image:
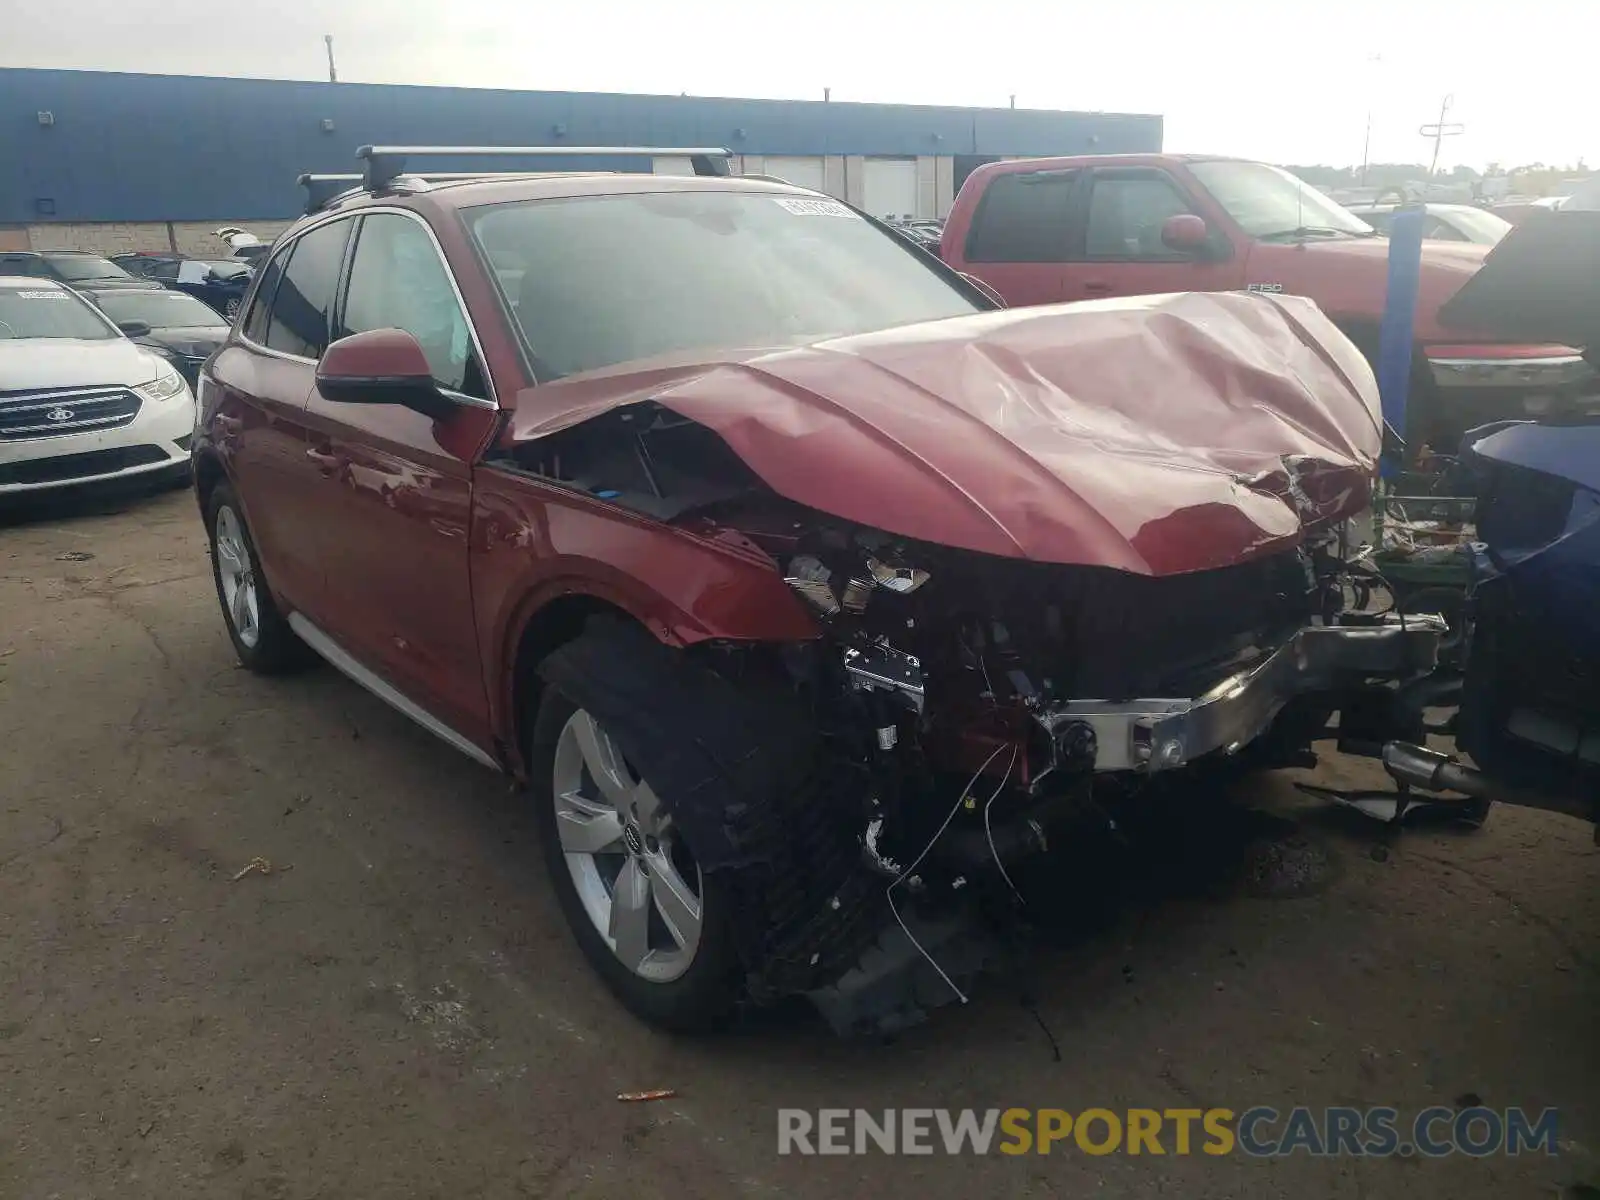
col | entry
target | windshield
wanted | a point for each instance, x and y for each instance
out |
(1482, 227)
(1270, 202)
(76, 267)
(599, 280)
(49, 313)
(159, 310)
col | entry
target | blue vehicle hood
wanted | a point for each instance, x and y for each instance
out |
(1569, 451)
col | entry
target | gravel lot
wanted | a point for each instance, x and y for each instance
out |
(396, 1011)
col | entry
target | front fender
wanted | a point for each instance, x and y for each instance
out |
(534, 544)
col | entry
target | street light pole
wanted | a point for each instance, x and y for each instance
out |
(333, 73)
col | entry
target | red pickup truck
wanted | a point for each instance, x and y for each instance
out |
(1039, 231)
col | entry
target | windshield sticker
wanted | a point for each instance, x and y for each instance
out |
(41, 295)
(813, 208)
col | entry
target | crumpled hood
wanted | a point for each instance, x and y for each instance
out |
(1155, 434)
(29, 363)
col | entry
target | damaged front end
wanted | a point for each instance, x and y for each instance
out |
(976, 708)
(1043, 583)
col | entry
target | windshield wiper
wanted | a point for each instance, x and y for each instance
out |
(1305, 231)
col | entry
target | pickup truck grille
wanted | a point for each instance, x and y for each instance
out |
(73, 410)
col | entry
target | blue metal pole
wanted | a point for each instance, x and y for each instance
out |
(1399, 319)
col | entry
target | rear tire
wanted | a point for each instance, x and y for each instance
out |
(261, 637)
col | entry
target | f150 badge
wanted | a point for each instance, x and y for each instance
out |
(1263, 287)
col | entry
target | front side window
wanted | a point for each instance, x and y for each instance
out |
(611, 279)
(1268, 202)
(49, 312)
(1126, 213)
(1021, 218)
(304, 297)
(397, 281)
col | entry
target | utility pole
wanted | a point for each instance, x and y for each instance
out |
(1366, 142)
(333, 73)
(1439, 131)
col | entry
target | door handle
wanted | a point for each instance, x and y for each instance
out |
(328, 463)
(1097, 287)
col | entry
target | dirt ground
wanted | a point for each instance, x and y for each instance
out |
(396, 1010)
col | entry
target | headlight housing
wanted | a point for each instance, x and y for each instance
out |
(167, 384)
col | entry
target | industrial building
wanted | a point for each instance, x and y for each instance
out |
(112, 161)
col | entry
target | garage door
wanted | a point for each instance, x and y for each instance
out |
(802, 172)
(889, 187)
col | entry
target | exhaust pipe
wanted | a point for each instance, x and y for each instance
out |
(1436, 772)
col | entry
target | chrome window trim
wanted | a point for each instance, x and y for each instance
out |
(493, 399)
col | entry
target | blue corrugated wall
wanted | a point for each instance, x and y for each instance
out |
(173, 148)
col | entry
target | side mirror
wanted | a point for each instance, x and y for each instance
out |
(135, 329)
(381, 366)
(1186, 233)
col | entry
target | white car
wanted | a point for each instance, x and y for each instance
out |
(79, 402)
(1442, 222)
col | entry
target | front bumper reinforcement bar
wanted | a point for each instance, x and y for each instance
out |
(1149, 735)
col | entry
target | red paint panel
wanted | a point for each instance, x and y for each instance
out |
(534, 542)
(1147, 434)
(394, 494)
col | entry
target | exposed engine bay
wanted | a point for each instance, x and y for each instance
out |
(970, 706)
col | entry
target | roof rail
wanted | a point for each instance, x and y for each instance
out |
(323, 190)
(385, 163)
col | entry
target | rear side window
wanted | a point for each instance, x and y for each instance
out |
(255, 322)
(1022, 217)
(304, 297)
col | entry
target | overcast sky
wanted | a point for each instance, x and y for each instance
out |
(1290, 81)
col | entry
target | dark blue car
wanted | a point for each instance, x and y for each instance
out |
(219, 282)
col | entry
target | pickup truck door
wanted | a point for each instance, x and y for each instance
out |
(1116, 248)
(1018, 240)
(396, 490)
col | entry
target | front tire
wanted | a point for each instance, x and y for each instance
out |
(787, 903)
(647, 918)
(261, 637)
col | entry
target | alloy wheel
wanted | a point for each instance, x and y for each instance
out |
(635, 879)
(238, 578)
